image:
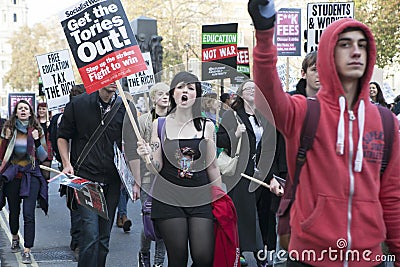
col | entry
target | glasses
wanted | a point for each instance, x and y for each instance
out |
(248, 89)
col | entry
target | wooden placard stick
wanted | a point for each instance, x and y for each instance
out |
(131, 118)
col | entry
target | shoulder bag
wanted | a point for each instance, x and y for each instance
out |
(227, 165)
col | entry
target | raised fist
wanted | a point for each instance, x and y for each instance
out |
(262, 13)
(35, 134)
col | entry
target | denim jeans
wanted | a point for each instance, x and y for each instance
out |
(28, 208)
(95, 230)
(123, 202)
(145, 243)
(75, 228)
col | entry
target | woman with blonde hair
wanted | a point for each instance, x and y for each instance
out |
(159, 96)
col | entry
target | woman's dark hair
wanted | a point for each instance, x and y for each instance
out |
(239, 103)
(33, 121)
(187, 78)
(379, 96)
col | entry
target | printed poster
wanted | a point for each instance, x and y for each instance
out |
(219, 51)
(140, 82)
(14, 98)
(57, 77)
(288, 32)
(101, 41)
(320, 15)
(89, 194)
(124, 172)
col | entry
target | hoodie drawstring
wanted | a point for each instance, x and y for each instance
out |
(361, 123)
(340, 133)
(340, 128)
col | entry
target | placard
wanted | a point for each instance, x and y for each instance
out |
(57, 77)
(101, 41)
(320, 15)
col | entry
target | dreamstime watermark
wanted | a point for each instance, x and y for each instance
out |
(331, 254)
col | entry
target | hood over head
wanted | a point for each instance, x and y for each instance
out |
(328, 76)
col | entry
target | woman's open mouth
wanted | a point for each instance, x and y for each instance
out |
(184, 98)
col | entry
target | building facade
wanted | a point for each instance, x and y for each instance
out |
(13, 14)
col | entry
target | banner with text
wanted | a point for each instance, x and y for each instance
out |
(140, 82)
(124, 172)
(243, 66)
(320, 15)
(57, 77)
(14, 98)
(288, 32)
(243, 61)
(88, 194)
(282, 73)
(102, 42)
(388, 93)
(219, 45)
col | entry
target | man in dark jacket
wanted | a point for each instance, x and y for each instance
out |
(80, 120)
(309, 84)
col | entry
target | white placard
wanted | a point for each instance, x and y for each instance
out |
(57, 77)
(140, 82)
(320, 15)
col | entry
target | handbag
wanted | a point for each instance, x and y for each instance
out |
(148, 224)
(227, 165)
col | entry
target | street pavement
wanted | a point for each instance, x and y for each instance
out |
(52, 237)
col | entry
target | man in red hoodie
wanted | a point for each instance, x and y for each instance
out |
(344, 208)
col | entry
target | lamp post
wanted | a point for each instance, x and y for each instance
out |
(187, 47)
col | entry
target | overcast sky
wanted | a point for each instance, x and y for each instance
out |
(42, 9)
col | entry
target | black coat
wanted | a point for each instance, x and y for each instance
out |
(81, 118)
(240, 189)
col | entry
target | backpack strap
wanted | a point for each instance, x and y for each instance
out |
(160, 132)
(388, 130)
(97, 133)
(308, 131)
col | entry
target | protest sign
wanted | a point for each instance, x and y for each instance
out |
(57, 77)
(219, 45)
(288, 32)
(243, 66)
(206, 88)
(320, 15)
(89, 194)
(282, 73)
(388, 93)
(140, 82)
(101, 41)
(243, 61)
(14, 98)
(124, 171)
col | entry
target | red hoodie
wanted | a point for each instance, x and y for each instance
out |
(343, 206)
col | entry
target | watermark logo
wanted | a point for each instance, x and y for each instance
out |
(339, 253)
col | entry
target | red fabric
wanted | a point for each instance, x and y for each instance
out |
(226, 251)
(3, 148)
